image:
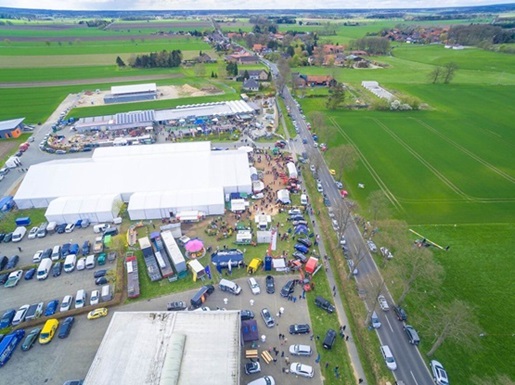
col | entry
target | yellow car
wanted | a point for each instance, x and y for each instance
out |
(48, 331)
(97, 313)
(332, 171)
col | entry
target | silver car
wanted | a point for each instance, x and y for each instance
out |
(267, 317)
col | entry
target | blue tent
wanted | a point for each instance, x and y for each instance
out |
(222, 258)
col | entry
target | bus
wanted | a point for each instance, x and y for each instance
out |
(8, 345)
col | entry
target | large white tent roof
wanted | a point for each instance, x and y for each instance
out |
(139, 171)
(229, 108)
(96, 208)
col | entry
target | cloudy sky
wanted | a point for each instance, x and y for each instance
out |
(237, 4)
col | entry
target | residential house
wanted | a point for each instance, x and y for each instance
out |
(258, 48)
(259, 75)
(251, 85)
(319, 80)
(332, 49)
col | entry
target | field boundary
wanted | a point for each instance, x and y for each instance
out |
(382, 185)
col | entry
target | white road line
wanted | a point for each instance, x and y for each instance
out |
(369, 280)
(414, 379)
(389, 324)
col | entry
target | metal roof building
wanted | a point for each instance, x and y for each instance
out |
(133, 89)
(173, 348)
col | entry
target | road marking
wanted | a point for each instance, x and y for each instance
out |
(414, 379)
(389, 324)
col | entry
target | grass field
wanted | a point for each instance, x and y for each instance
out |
(449, 172)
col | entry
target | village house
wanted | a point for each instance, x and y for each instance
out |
(258, 75)
(250, 85)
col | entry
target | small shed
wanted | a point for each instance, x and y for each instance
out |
(262, 221)
(244, 237)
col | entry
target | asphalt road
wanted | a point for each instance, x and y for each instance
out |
(412, 368)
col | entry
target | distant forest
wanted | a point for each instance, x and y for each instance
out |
(163, 59)
(481, 34)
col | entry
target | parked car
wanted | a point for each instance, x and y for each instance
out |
(301, 350)
(97, 313)
(33, 232)
(305, 241)
(267, 317)
(65, 250)
(81, 264)
(266, 380)
(7, 318)
(30, 339)
(66, 303)
(57, 269)
(66, 327)
(8, 238)
(29, 274)
(60, 229)
(3, 278)
(99, 273)
(101, 281)
(74, 249)
(299, 256)
(48, 331)
(439, 374)
(86, 246)
(94, 299)
(254, 286)
(372, 246)
(47, 253)
(36, 258)
(288, 288)
(270, 284)
(13, 261)
(322, 303)
(101, 260)
(412, 334)
(400, 313)
(69, 228)
(19, 317)
(246, 315)
(383, 303)
(302, 370)
(51, 307)
(14, 278)
(252, 367)
(176, 306)
(3, 262)
(299, 329)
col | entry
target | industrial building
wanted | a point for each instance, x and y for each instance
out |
(157, 181)
(173, 348)
(142, 119)
(131, 93)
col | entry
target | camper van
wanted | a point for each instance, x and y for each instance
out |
(69, 263)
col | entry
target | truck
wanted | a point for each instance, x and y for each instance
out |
(44, 269)
(98, 246)
(13, 162)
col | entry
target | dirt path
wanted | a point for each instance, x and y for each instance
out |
(76, 82)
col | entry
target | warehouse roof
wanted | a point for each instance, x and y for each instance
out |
(133, 89)
(10, 124)
(233, 107)
(149, 347)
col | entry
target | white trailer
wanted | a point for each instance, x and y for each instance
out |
(292, 170)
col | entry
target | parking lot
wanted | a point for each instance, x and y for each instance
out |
(34, 291)
(70, 358)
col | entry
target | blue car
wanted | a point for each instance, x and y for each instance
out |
(7, 318)
(30, 274)
(74, 249)
(301, 248)
(86, 247)
(51, 307)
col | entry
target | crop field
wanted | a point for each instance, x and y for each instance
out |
(448, 171)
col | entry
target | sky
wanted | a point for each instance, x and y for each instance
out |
(238, 4)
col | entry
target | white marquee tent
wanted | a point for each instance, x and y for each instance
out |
(96, 208)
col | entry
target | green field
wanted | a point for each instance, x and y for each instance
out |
(449, 172)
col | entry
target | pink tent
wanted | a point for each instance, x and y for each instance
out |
(194, 246)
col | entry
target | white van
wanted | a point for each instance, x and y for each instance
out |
(19, 233)
(44, 269)
(388, 357)
(80, 299)
(303, 199)
(100, 228)
(230, 286)
(106, 294)
(51, 227)
(69, 263)
(90, 261)
(56, 253)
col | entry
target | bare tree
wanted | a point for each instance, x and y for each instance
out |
(343, 216)
(284, 73)
(416, 269)
(378, 205)
(449, 72)
(435, 74)
(348, 158)
(317, 119)
(454, 322)
(372, 299)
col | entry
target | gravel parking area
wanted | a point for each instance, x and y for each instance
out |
(70, 358)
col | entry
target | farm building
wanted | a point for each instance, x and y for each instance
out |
(11, 128)
(131, 93)
(169, 348)
(156, 181)
(140, 119)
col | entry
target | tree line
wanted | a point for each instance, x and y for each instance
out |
(478, 34)
(373, 45)
(163, 59)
